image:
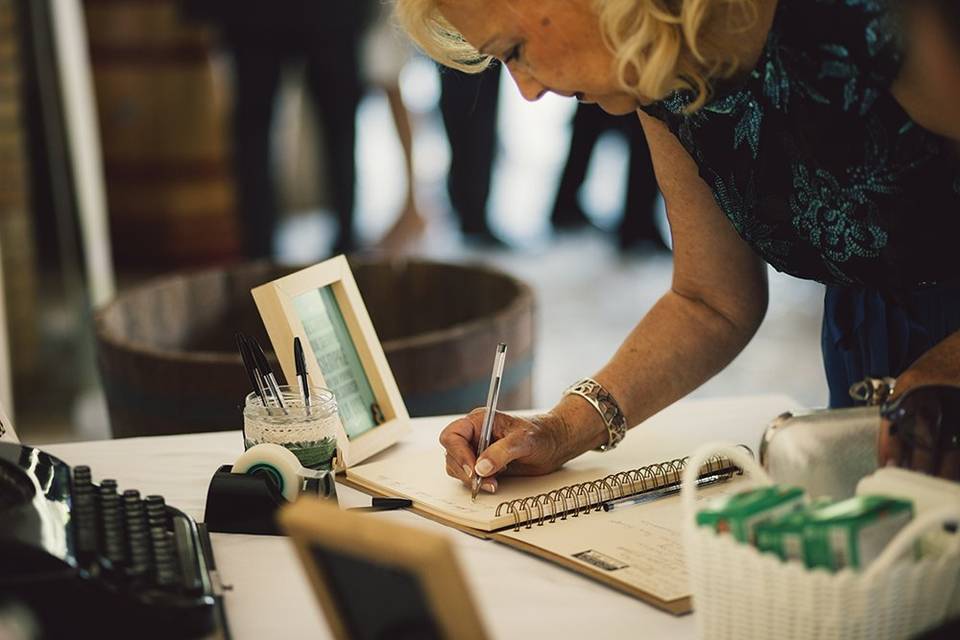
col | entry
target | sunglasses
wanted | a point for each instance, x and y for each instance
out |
(925, 430)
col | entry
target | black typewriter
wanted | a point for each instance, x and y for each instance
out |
(89, 560)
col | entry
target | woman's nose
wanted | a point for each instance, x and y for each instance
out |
(530, 89)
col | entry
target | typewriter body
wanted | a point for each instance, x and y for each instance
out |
(87, 559)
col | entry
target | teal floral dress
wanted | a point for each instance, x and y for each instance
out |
(827, 178)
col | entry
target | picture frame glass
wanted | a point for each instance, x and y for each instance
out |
(343, 372)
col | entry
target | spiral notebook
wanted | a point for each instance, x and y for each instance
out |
(636, 550)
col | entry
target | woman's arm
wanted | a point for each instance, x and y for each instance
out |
(715, 304)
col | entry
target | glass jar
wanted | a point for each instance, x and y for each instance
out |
(309, 432)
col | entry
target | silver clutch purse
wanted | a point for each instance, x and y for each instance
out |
(825, 451)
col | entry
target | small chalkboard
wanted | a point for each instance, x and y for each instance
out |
(322, 306)
(377, 580)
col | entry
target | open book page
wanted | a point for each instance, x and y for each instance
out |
(418, 472)
(636, 549)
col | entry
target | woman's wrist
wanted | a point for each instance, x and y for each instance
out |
(581, 427)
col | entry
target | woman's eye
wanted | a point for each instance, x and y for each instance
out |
(512, 55)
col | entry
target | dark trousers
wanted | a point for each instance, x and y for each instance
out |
(468, 104)
(589, 123)
(333, 80)
(865, 333)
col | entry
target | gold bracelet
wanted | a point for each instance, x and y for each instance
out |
(601, 400)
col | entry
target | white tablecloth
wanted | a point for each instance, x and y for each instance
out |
(518, 596)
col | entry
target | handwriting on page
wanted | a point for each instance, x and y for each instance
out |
(417, 494)
(649, 557)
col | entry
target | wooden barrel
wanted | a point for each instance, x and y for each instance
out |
(440, 324)
(163, 126)
(168, 361)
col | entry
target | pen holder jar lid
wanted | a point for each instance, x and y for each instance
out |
(322, 404)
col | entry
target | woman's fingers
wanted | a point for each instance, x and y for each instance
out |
(459, 438)
(459, 471)
(515, 444)
(519, 440)
(464, 475)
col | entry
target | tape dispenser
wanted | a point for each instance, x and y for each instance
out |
(244, 497)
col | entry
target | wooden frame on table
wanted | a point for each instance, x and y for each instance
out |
(319, 303)
(332, 543)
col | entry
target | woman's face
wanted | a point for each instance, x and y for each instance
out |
(547, 45)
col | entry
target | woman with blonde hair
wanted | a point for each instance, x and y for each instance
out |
(800, 133)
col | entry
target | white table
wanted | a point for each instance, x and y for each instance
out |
(519, 596)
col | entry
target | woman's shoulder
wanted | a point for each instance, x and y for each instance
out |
(840, 52)
(842, 39)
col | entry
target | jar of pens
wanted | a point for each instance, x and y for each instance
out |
(300, 417)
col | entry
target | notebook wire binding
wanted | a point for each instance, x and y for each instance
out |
(584, 497)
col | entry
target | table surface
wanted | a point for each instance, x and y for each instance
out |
(517, 595)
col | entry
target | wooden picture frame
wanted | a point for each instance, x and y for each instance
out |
(322, 306)
(435, 600)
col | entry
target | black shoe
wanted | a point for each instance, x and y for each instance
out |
(642, 244)
(633, 239)
(569, 218)
(483, 239)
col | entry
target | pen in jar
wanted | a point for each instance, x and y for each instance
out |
(302, 380)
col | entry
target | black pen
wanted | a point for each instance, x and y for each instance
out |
(266, 372)
(652, 495)
(385, 504)
(301, 365)
(251, 368)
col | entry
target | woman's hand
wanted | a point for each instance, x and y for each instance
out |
(527, 446)
(920, 430)
(922, 433)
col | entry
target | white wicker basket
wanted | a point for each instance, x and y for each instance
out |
(740, 593)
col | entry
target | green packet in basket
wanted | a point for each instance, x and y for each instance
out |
(785, 536)
(853, 532)
(740, 514)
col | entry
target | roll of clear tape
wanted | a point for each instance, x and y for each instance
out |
(279, 463)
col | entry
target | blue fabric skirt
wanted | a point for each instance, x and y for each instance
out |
(867, 334)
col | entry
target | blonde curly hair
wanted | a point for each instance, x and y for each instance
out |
(658, 46)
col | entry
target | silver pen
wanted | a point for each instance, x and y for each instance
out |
(493, 394)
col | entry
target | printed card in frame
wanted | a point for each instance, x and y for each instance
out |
(322, 306)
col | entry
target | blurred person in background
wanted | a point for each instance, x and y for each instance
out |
(386, 51)
(468, 104)
(810, 136)
(263, 39)
(637, 225)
